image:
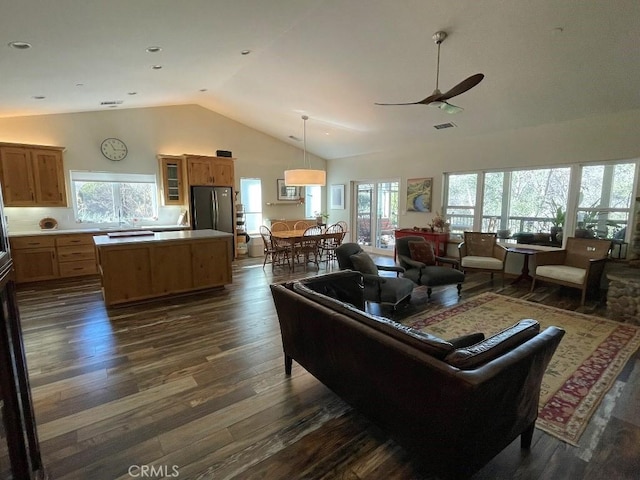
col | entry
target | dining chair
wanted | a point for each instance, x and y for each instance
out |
(333, 239)
(275, 251)
(307, 249)
(301, 225)
(279, 227)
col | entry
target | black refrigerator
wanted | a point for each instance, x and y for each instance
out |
(212, 207)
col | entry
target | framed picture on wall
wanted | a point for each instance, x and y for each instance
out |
(419, 194)
(337, 197)
(286, 193)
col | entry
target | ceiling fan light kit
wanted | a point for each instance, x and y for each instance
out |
(437, 98)
(303, 177)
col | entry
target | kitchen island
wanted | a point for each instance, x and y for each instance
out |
(141, 265)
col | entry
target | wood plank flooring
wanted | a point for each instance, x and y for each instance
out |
(194, 388)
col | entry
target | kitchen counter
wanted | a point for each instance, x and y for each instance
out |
(141, 267)
(55, 231)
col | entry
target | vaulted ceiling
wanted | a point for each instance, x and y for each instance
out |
(544, 61)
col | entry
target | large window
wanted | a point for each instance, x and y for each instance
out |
(251, 196)
(532, 205)
(102, 197)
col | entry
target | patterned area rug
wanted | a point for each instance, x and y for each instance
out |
(589, 358)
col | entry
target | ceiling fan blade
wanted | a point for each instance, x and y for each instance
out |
(410, 103)
(462, 87)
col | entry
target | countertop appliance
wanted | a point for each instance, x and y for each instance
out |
(212, 207)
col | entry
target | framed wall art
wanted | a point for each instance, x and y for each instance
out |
(419, 194)
(286, 193)
(337, 197)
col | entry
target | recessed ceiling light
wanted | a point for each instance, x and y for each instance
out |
(154, 49)
(20, 45)
(38, 97)
(245, 52)
(156, 67)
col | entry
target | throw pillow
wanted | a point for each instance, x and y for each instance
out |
(363, 263)
(422, 252)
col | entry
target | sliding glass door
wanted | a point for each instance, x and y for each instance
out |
(376, 214)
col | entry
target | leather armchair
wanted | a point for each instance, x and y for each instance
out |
(377, 289)
(424, 272)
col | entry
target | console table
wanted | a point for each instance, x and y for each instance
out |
(438, 239)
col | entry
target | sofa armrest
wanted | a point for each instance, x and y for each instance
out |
(467, 340)
(502, 342)
(499, 252)
(391, 268)
(410, 261)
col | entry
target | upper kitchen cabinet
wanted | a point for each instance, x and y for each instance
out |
(32, 176)
(172, 175)
(215, 171)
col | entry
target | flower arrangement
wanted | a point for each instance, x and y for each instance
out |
(438, 222)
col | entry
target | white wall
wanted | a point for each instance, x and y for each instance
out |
(605, 137)
(148, 132)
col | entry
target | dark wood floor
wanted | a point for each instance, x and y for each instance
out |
(195, 386)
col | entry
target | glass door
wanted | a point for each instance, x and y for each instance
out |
(376, 214)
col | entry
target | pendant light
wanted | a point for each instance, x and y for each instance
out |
(303, 177)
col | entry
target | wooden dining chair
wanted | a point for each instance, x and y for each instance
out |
(302, 225)
(333, 239)
(275, 251)
(307, 249)
(279, 227)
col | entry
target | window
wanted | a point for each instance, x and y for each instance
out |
(604, 203)
(101, 197)
(376, 213)
(251, 195)
(312, 201)
(531, 205)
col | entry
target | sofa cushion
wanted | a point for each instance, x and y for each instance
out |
(494, 346)
(363, 263)
(488, 263)
(563, 273)
(422, 341)
(422, 252)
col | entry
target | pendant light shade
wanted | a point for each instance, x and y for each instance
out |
(303, 177)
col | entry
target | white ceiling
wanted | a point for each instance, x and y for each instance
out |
(544, 61)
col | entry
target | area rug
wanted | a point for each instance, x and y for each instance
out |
(589, 358)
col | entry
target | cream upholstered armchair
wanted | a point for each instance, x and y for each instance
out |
(579, 265)
(480, 252)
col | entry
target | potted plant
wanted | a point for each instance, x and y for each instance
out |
(321, 217)
(557, 221)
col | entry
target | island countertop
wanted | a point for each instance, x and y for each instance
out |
(145, 236)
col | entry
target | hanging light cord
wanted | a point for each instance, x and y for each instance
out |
(304, 140)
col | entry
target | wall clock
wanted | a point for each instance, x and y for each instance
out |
(114, 149)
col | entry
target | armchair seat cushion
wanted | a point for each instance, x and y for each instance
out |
(487, 263)
(394, 290)
(434, 276)
(564, 273)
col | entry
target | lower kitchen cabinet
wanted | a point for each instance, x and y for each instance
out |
(46, 257)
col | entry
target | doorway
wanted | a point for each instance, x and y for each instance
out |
(375, 214)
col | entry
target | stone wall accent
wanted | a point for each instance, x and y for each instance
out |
(623, 296)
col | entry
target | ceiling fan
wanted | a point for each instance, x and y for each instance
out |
(439, 99)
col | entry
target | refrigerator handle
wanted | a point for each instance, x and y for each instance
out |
(214, 203)
(194, 214)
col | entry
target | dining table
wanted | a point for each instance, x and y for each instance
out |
(296, 236)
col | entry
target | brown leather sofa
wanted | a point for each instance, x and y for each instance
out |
(455, 405)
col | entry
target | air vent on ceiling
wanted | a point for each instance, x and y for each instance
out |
(111, 102)
(445, 125)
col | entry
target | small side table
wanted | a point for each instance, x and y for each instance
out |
(527, 252)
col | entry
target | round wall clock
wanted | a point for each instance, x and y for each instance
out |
(114, 149)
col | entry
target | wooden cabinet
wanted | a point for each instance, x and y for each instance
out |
(45, 257)
(34, 258)
(32, 176)
(76, 255)
(173, 182)
(170, 263)
(215, 171)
